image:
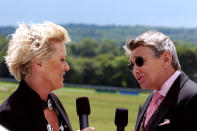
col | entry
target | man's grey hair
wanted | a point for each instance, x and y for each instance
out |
(158, 42)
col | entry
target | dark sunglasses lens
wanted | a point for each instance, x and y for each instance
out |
(139, 61)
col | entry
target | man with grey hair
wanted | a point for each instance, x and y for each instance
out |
(155, 65)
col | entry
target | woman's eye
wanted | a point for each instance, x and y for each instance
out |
(62, 60)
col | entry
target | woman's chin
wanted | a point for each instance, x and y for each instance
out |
(62, 85)
(59, 86)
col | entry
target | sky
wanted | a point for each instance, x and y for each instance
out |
(165, 13)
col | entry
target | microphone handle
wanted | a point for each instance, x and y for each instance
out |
(120, 128)
(83, 119)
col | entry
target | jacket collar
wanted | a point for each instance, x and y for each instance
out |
(33, 104)
(142, 111)
(167, 103)
(61, 109)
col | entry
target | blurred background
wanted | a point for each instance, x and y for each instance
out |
(99, 29)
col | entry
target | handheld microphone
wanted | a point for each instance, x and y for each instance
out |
(121, 118)
(83, 110)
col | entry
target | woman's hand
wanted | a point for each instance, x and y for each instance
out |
(88, 129)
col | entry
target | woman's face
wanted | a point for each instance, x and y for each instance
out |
(54, 68)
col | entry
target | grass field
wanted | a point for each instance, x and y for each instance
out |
(103, 105)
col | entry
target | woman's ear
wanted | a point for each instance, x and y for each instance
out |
(36, 63)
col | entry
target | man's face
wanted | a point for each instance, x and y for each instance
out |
(147, 68)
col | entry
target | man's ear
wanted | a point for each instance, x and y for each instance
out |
(167, 55)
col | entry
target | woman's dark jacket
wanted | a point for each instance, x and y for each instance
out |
(22, 111)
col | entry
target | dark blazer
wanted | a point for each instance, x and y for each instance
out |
(178, 110)
(22, 111)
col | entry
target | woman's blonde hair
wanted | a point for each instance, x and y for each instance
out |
(32, 42)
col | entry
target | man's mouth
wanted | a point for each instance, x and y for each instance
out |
(62, 76)
(139, 79)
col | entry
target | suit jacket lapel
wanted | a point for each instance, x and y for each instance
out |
(169, 101)
(61, 109)
(142, 111)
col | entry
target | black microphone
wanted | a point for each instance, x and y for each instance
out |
(121, 118)
(83, 110)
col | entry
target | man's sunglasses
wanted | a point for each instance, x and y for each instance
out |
(139, 61)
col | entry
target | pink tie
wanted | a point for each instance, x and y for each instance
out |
(153, 106)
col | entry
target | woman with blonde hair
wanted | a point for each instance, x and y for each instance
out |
(36, 57)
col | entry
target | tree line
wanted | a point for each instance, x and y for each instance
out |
(118, 33)
(105, 62)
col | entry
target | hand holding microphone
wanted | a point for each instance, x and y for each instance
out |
(88, 129)
(121, 118)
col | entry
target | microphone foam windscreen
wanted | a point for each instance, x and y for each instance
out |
(121, 117)
(83, 106)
